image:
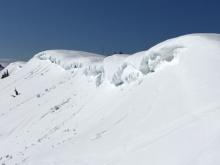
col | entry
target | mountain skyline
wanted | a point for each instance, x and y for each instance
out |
(158, 106)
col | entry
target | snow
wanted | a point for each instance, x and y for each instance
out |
(113, 67)
(14, 67)
(69, 59)
(159, 106)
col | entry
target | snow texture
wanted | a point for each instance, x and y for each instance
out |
(156, 107)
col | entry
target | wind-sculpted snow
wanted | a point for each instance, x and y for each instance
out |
(143, 63)
(148, 61)
(69, 59)
(115, 69)
(156, 107)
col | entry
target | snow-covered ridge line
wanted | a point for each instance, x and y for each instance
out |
(69, 59)
(143, 63)
(119, 69)
(116, 69)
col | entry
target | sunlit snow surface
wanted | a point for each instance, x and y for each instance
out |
(156, 107)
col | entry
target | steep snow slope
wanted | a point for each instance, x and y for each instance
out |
(160, 106)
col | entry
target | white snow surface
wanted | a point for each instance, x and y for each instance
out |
(14, 67)
(156, 107)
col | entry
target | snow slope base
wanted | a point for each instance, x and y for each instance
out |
(156, 107)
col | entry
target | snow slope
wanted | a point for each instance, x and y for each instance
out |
(160, 106)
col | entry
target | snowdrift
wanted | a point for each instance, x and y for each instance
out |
(159, 106)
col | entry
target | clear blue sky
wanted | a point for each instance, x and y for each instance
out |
(101, 26)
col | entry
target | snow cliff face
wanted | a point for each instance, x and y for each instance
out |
(160, 106)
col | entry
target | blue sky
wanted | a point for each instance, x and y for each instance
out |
(100, 26)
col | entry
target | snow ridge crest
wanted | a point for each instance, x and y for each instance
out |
(119, 69)
(116, 69)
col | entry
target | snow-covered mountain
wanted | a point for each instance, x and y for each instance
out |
(156, 107)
